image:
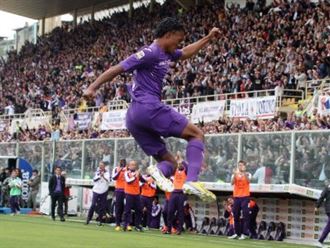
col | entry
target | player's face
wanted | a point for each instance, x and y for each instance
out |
(132, 165)
(102, 166)
(174, 39)
(122, 163)
(14, 173)
(58, 171)
(242, 167)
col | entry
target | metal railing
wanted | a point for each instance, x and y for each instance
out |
(184, 106)
(111, 105)
(316, 84)
(218, 97)
(295, 94)
(11, 117)
(316, 88)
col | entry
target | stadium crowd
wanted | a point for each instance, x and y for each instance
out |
(279, 45)
(294, 121)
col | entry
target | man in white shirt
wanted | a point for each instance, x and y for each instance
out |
(10, 109)
(100, 191)
(263, 175)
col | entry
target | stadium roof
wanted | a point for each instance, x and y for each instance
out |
(38, 9)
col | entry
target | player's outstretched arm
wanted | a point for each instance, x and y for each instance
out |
(106, 76)
(192, 49)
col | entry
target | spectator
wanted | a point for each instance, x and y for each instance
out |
(15, 185)
(118, 175)
(300, 111)
(189, 218)
(132, 196)
(176, 201)
(228, 214)
(324, 198)
(148, 193)
(56, 187)
(263, 174)
(3, 176)
(253, 213)
(66, 194)
(34, 184)
(5, 188)
(156, 213)
(100, 192)
(241, 182)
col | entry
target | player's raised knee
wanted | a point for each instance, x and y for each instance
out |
(192, 132)
(199, 135)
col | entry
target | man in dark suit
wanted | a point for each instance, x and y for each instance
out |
(56, 187)
(324, 198)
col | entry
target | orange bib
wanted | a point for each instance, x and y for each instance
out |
(179, 179)
(132, 188)
(241, 187)
(120, 182)
(147, 190)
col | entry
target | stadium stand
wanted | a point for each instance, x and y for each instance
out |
(52, 74)
(271, 53)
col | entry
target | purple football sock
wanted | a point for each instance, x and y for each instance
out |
(166, 168)
(195, 156)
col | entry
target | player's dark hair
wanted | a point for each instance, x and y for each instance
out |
(106, 163)
(168, 24)
(242, 161)
(122, 162)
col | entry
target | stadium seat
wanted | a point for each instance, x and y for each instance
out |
(221, 223)
(280, 231)
(271, 231)
(213, 227)
(229, 230)
(262, 230)
(205, 226)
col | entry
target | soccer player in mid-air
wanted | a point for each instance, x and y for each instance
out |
(148, 119)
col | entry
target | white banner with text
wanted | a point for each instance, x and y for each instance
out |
(253, 108)
(114, 120)
(208, 111)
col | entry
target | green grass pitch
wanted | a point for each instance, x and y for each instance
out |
(41, 232)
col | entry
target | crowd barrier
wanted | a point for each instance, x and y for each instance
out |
(297, 157)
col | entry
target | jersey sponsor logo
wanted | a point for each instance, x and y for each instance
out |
(165, 62)
(140, 55)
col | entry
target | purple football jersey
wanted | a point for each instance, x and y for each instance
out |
(150, 66)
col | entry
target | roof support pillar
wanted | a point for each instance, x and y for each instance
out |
(75, 17)
(130, 11)
(186, 4)
(151, 6)
(93, 14)
(43, 26)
